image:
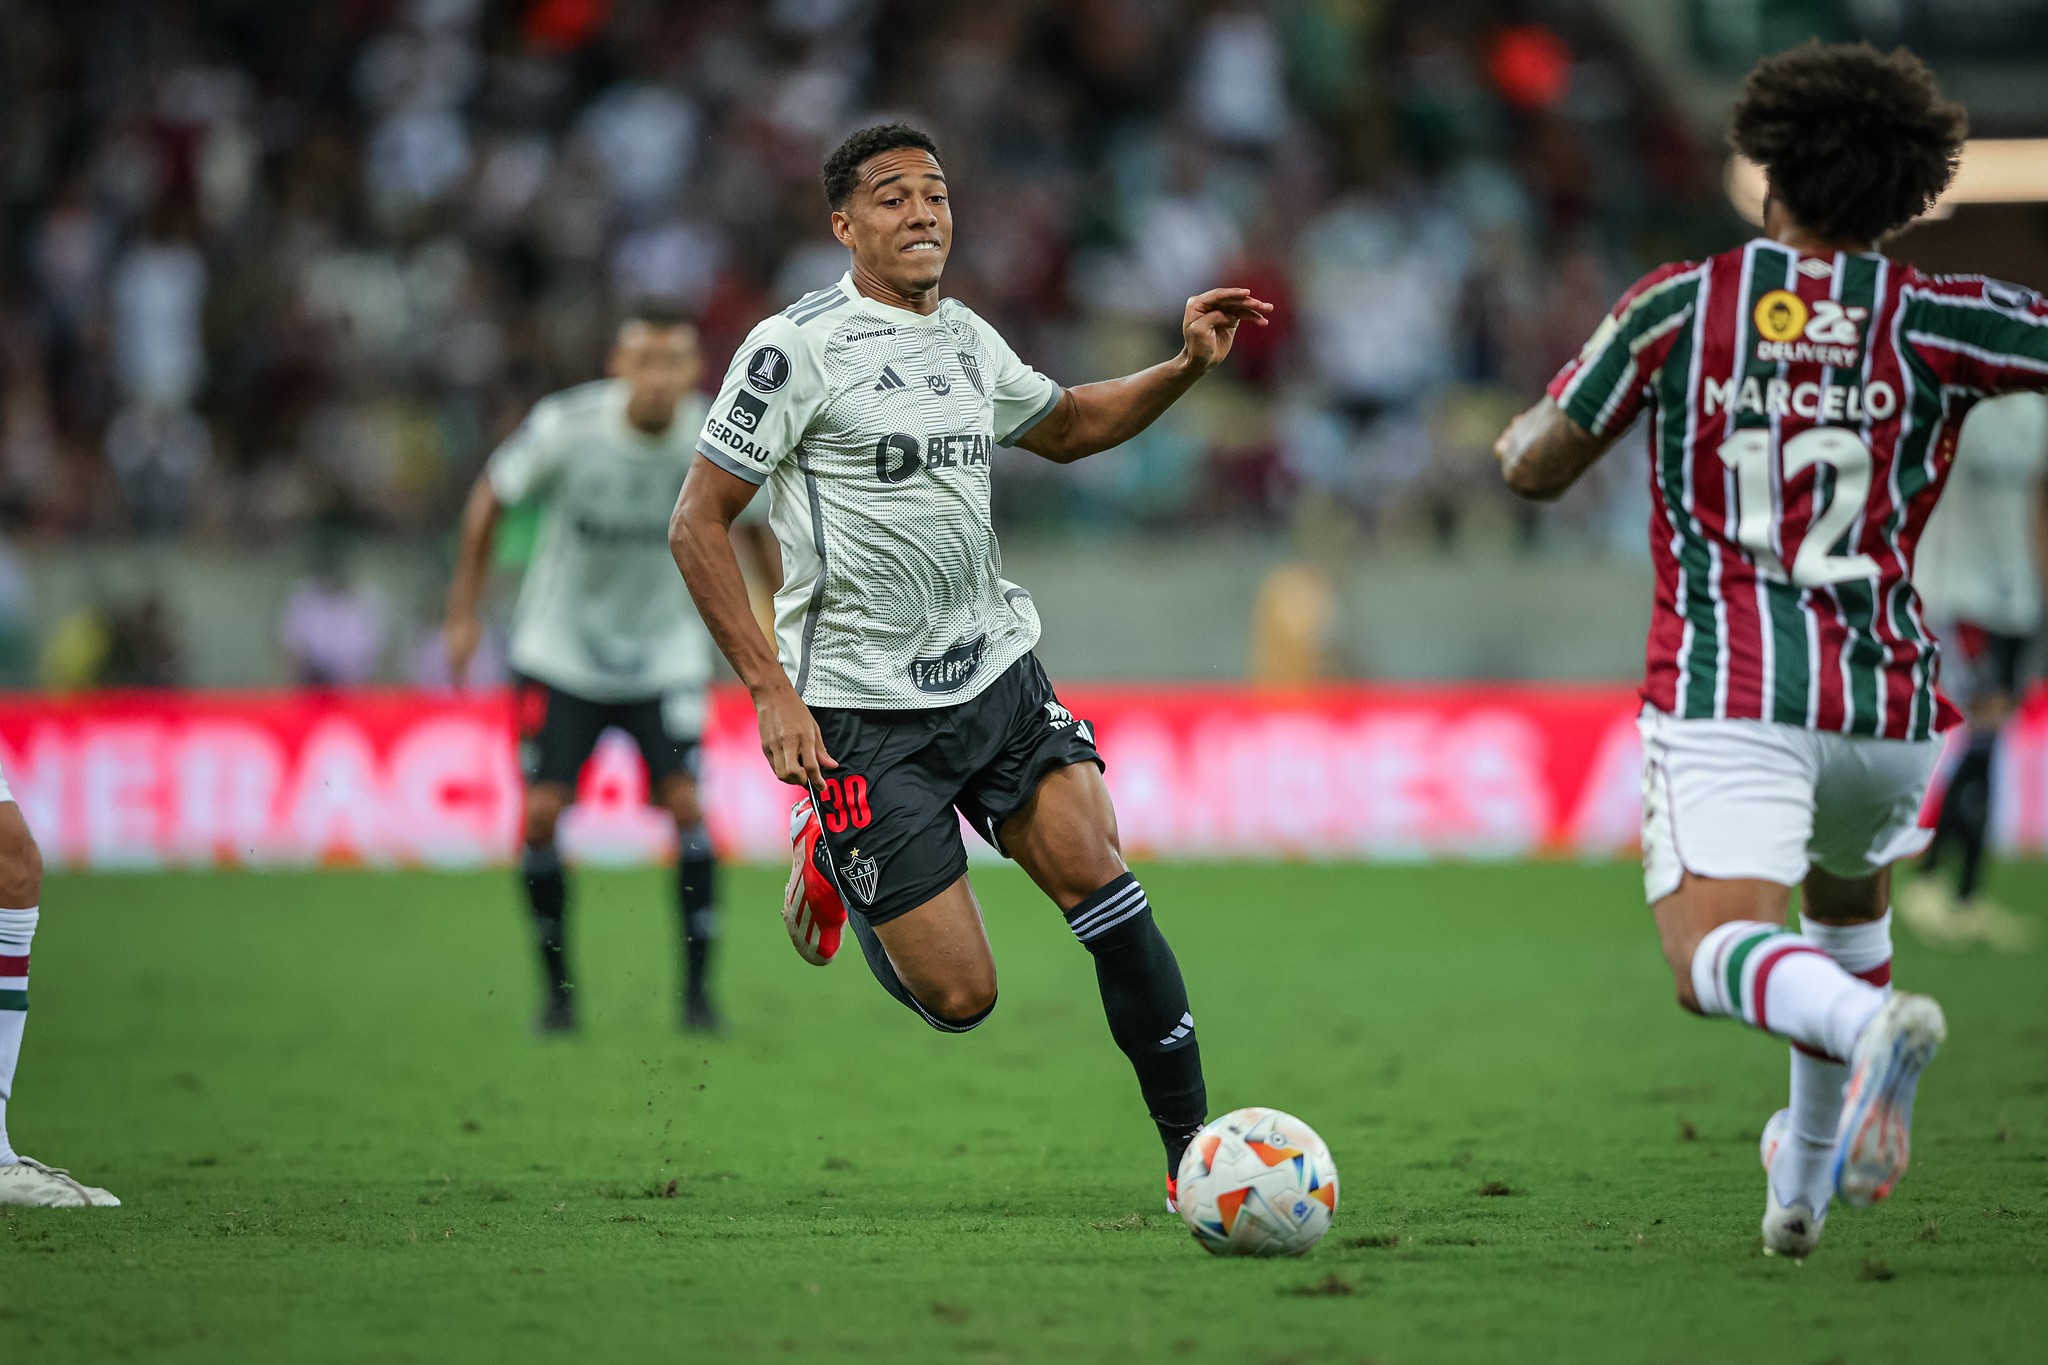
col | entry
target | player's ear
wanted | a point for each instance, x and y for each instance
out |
(842, 228)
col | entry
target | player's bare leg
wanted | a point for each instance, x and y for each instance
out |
(547, 896)
(1730, 955)
(696, 900)
(1065, 838)
(935, 958)
(24, 1180)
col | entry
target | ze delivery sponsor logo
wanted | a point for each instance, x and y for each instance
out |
(1823, 333)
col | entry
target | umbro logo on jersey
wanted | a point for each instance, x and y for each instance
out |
(1814, 268)
(890, 380)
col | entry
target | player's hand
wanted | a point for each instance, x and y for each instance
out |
(462, 633)
(1210, 324)
(790, 739)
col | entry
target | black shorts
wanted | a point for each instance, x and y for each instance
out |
(558, 730)
(888, 808)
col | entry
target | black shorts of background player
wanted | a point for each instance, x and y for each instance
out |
(558, 731)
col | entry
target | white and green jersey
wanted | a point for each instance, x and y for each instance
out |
(873, 428)
(602, 613)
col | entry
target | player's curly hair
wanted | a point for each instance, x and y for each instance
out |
(1857, 142)
(843, 166)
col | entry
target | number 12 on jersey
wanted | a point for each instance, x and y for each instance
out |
(1748, 453)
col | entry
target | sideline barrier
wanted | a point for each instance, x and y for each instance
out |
(147, 779)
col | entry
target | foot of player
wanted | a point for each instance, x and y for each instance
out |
(812, 911)
(28, 1183)
(1873, 1139)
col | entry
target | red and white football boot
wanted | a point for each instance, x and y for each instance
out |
(812, 911)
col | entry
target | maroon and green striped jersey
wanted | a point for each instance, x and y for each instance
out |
(1802, 414)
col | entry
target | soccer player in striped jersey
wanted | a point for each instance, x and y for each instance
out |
(24, 1181)
(1803, 392)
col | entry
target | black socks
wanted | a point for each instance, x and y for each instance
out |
(547, 893)
(1147, 1006)
(697, 913)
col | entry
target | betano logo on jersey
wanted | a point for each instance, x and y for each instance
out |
(1826, 333)
(898, 456)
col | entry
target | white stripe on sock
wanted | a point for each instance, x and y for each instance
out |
(1083, 923)
(1103, 927)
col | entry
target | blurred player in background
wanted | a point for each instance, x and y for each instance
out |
(1803, 394)
(906, 688)
(1979, 572)
(603, 636)
(24, 1181)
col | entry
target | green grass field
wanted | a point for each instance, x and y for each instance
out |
(338, 1142)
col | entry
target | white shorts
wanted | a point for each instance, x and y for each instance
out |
(1752, 798)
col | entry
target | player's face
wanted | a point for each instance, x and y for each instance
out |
(899, 221)
(659, 365)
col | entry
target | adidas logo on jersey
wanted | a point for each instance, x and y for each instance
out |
(890, 380)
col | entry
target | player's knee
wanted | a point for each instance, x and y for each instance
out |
(544, 807)
(21, 871)
(963, 1004)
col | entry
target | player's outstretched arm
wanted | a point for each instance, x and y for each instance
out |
(700, 538)
(1093, 417)
(1543, 452)
(463, 630)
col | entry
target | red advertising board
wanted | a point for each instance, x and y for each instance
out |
(147, 779)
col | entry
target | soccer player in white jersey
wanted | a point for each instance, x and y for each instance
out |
(603, 636)
(1802, 393)
(24, 1181)
(1979, 572)
(906, 688)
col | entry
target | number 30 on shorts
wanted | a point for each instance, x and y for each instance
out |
(843, 804)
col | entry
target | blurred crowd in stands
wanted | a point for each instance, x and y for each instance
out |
(273, 267)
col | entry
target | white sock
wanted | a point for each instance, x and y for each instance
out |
(1864, 951)
(17, 930)
(1782, 983)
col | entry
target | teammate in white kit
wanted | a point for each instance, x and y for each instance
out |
(906, 689)
(603, 636)
(1979, 573)
(24, 1181)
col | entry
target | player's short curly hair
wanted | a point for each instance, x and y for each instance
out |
(1857, 142)
(843, 166)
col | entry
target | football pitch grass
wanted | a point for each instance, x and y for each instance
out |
(337, 1140)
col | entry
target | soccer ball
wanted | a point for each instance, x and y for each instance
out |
(1257, 1182)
